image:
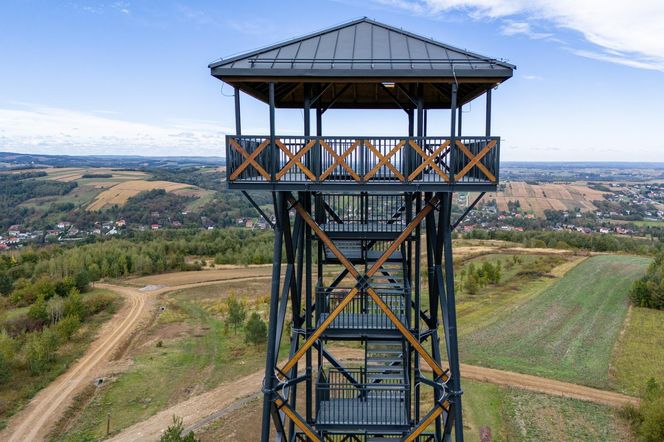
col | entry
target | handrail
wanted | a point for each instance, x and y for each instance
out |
(362, 159)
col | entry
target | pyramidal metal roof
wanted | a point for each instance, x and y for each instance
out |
(362, 48)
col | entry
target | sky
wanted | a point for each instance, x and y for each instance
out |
(131, 77)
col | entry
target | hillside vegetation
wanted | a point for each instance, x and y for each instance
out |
(566, 332)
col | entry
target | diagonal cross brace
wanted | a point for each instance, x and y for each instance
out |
(437, 369)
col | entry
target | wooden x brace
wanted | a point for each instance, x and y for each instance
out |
(249, 159)
(384, 160)
(340, 160)
(475, 160)
(437, 369)
(295, 159)
(428, 160)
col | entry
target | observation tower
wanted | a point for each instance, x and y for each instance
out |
(365, 223)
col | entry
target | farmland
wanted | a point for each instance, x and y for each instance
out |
(536, 198)
(567, 331)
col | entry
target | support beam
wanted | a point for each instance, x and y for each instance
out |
(467, 211)
(258, 209)
(487, 130)
(238, 121)
(268, 389)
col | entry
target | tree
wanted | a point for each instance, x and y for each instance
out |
(256, 330)
(174, 433)
(5, 284)
(74, 305)
(41, 348)
(237, 312)
(39, 311)
(67, 327)
(82, 281)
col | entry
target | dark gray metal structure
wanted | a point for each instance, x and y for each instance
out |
(366, 209)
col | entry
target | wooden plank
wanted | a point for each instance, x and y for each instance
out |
(384, 160)
(428, 160)
(474, 160)
(295, 159)
(250, 159)
(425, 423)
(340, 160)
(297, 420)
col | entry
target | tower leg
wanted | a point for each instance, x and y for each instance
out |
(446, 207)
(268, 394)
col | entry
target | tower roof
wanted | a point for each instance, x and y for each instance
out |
(362, 52)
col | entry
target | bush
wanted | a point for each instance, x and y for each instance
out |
(95, 303)
(647, 419)
(74, 305)
(649, 290)
(39, 311)
(174, 433)
(67, 327)
(256, 330)
(237, 312)
(40, 350)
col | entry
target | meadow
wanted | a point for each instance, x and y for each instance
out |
(567, 331)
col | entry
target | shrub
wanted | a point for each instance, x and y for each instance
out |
(39, 311)
(647, 419)
(174, 433)
(95, 303)
(67, 327)
(237, 312)
(256, 330)
(40, 350)
(74, 304)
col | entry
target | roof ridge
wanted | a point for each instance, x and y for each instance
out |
(473, 57)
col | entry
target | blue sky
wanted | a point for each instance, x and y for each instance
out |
(131, 77)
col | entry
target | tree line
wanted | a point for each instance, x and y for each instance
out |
(649, 290)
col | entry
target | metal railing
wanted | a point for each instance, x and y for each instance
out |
(299, 159)
(342, 402)
(362, 312)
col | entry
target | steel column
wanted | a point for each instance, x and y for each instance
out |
(268, 387)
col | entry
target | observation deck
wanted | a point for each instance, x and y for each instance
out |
(363, 163)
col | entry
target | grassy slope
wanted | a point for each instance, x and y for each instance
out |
(566, 332)
(196, 355)
(639, 355)
(23, 386)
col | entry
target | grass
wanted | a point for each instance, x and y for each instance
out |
(567, 331)
(519, 283)
(15, 394)
(639, 354)
(196, 354)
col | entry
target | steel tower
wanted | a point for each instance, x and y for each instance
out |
(356, 216)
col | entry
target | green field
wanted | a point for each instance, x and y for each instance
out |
(567, 331)
(185, 352)
(519, 283)
(640, 353)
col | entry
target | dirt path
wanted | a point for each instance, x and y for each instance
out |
(203, 409)
(34, 421)
(46, 408)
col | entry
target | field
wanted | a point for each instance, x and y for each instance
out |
(567, 331)
(120, 193)
(536, 198)
(99, 191)
(639, 355)
(222, 274)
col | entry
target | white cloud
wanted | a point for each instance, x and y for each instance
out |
(531, 77)
(42, 129)
(511, 27)
(630, 33)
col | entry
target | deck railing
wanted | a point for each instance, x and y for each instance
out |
(341, 402)
(427, 160)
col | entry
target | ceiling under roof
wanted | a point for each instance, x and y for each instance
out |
(362, 64)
